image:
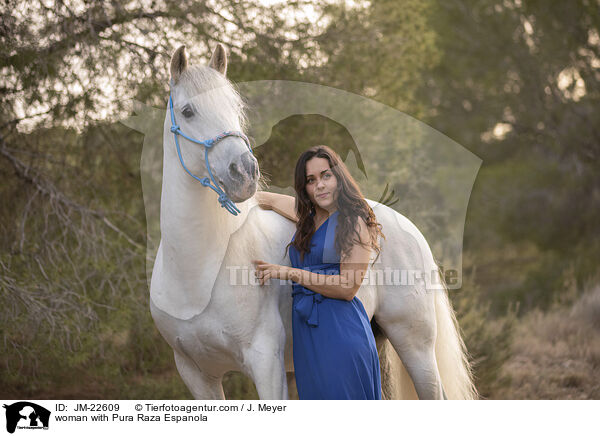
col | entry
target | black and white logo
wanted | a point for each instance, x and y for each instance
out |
(26, 415)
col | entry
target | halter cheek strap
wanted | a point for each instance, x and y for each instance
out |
(224, 200)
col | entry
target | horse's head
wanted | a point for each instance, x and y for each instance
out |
(206, 105)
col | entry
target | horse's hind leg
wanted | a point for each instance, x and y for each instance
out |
(202, 386)
(416, 348)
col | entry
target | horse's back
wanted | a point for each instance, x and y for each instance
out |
(392, 285)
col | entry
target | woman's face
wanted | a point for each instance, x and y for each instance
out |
(321, 184)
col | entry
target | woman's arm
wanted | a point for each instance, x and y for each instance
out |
(343, 286)
(352, 272)
(282, 204)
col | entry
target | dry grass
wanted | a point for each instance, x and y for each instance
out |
(556, 355)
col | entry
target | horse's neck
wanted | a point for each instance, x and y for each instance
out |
(194, 226)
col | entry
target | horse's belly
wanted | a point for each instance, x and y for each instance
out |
(367, 294)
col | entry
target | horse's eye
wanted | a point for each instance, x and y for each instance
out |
(187, 112)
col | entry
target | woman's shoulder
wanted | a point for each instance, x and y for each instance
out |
(361, 228)
(360, 225)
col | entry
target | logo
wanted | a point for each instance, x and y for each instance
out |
(26, 415)
(374, 133)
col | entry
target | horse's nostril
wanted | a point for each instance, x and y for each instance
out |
(234, 172)
(250, 164)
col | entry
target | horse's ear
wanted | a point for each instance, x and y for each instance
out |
(218, 61)
(179, 63)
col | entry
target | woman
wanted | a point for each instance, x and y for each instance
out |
(335, 356)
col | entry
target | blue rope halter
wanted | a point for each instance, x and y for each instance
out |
(223, 198)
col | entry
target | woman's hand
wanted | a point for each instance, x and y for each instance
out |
(262, 199)
(265, 271)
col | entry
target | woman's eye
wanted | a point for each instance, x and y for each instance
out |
(326, 176)
(188, 112)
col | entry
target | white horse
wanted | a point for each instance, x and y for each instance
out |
(216, 325)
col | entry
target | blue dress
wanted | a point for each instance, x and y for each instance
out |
(335, 356)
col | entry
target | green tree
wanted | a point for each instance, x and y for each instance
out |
(518, 85)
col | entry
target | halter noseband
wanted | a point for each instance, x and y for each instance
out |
(223, 198)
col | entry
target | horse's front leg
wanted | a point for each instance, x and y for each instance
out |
(264, 359)
(202, 385)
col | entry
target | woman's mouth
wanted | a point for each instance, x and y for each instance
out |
(322, 195)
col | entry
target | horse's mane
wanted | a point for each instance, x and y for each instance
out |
(214, 90)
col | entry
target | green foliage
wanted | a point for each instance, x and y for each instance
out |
(488, 338)
(534, 207)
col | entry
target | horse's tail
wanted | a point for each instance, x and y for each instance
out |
(451, 352)
(451, 356)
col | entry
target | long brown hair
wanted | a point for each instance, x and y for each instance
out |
(350, 205)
